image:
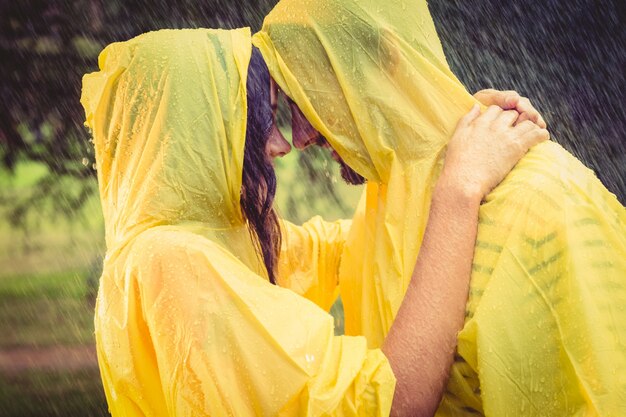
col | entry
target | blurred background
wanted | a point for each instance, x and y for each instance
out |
(568, 57)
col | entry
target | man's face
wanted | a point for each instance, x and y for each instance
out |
(305, 135)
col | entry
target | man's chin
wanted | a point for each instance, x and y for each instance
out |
(350, 176)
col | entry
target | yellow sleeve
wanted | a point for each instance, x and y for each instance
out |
(227, 342)
(309, 259)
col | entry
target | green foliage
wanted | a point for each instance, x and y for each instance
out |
(33, 189)
(56, 231)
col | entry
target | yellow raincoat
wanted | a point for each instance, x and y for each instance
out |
(546, 319)
(186, 320)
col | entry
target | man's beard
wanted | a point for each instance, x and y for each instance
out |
(349, 175)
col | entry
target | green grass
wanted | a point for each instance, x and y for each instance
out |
(53, 285)
(41, 311)
(48, 394)
(47, 309)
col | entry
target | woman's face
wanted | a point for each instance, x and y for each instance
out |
(276, 145)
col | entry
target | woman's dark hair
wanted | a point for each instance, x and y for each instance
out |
(259, 179)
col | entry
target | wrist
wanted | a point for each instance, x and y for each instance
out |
(456, 189)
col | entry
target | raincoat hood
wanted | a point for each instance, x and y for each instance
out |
(167, 111)
(374, 82)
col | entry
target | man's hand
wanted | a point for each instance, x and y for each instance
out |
(511, 100)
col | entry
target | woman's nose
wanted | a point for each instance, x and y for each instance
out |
(277, 144)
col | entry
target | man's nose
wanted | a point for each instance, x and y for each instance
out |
(301, 138)
(303, 134)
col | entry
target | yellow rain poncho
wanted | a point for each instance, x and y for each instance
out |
(545, 333)
(187, 323)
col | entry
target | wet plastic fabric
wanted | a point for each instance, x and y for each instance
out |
(186, 321)
(310, 258)
(546, 326)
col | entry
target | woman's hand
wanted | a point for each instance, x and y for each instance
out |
(421, 342)
(484, 148)
(422, 339)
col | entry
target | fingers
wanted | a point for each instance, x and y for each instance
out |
(541, 123)
(511, 100)
(490, 115)
(533, 137)
(525, 107)
(469, 117)
(524, 127)
(507, 118)
(504, 99)
(522, 118)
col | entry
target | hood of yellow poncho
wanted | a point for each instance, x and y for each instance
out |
(167, 111)
(371, 78)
